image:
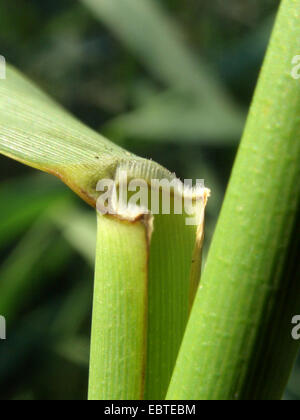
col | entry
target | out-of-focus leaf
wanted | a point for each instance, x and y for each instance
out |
(75, 350)
(40, 254)
(145, 28)
(174, 117)
(79, 229)
(22, 200)
(75, 308)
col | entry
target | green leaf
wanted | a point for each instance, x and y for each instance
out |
(36, 131)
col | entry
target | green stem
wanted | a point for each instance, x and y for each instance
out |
(238, 341)
(118, 344)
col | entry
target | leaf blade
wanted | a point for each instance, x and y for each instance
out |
(37, 132)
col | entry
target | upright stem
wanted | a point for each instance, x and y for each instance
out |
(118, 344)
(238, 341)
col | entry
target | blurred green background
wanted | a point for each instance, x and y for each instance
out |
(168, 80)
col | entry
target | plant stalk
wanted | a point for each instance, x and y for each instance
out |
(238, 342)
(118, 343)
